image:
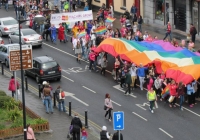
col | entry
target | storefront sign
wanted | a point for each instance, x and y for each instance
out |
(72, 17)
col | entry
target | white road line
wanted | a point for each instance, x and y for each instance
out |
(68, 78)
(140, 107)
(166, 133)
(89, 89)
(119, 88)
(139, 116)
(116, 103)
(189, 110)
(79, 100)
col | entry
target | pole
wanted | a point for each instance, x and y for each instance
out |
(86, 119)
(2, 68)
(119, 135)
(26, 82)
(39, 91)
(54, 99)
(16, 92)
(70, 108)
(22, 82)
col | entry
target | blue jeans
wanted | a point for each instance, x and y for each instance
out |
(66, 37)
(83, 138)
(41, 28)
(61, 104)
(182, 98)
(168, 34)
(6, 6)
(48, 104)
(25, 15)
(151, 104)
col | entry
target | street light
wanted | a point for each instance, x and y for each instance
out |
(22, 79)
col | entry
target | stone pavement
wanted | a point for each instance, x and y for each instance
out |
(59, 121)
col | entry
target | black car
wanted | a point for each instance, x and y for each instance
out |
(45, 68)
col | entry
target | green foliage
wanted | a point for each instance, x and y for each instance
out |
(38, 121)
(4, 99)
(2, 126)
(11, 104)
(2, 93)
(15, 114)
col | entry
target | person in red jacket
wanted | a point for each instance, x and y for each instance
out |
(12, 86)
(61, 33)
(173, 92)
(168, 32)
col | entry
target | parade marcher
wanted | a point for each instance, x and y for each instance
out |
(116, 68)
(190, 91)
(150, 82)
(141, 74)
(104, 63)
(194, 85)
(61, 33)
(48, 98)
(173, 94)
(157, 85)
(53, 33)
(168, 32)
(46, 32)
(65, 25)
(104, 134)
(128, 81)
(122, 77)
(12, 86)
(78, 51)
(77, 126)
(60, 95)
(193, 32)
(30, 133)
(116, 136)
(181, 92)
(108, 106)
(92, 59)
(151, 97)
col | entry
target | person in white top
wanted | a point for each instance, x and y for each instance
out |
(108, 106)
(145, 35)
(158, 86)
(74, 42)
(93, 36)
(133, 73)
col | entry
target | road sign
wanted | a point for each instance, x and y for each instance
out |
(118, 120)
(14, 57)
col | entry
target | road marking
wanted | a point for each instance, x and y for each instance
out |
(116, 103)
(139, 116)
(119, 88)
(89, 89)
(68, 78)
(166, 133)
(189, 110)
(142, 105)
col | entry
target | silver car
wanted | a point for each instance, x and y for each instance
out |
(28, 36)
(1, 41)
(8, 25)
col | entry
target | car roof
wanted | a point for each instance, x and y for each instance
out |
(8, 45)
(43, 59)
(26, 29)
(6, 18)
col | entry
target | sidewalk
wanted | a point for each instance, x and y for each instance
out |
(59, 121)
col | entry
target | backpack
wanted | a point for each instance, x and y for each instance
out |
(63, 94)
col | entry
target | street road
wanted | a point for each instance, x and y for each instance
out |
(87, 89)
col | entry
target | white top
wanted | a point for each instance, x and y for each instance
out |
(133, 71)
(75, 42)
(108, 103)
(145, 36)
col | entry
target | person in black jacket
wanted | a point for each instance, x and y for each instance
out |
(46, 32)
(77, 126)
(104, 135)
(116, 136)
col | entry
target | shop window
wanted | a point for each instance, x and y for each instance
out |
(160, 9)
(124, 3)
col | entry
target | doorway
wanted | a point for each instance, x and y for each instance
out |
(180, 14)
(108, 2)
(195, 18)
(137, 4)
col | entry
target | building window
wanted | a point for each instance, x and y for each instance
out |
(124, 3)
(160, 9)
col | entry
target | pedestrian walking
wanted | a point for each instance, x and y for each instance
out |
(30, 133)
(173, 94)
(6, 4)
(128, 81)
(53, 33)
(141, 74)
(104, 63)
(77, 126)
(168, 32)
(78, 51)
(48, 98)
(12, 86)
(84, 134)
(108, 106)
(60, 96)
(61, 33)
(104, 134)
(140, 22)
(181, 94)
(193, 32)
(151, 97)
(116, 136)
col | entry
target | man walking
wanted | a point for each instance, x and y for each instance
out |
(77, 126)
(168, 32)
(141, 74)
(128, 81)
(193, 32)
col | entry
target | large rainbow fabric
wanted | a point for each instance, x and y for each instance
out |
(181, 65)
(110, 19)
(100, 30)
(81, 34)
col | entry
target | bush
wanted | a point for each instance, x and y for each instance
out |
(4, 99)
(2, 126)
(11, 104)
(14, 115)
(2, 93)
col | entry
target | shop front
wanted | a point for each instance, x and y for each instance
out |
(195, 14)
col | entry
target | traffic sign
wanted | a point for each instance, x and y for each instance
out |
(14, 57)
(118, 120)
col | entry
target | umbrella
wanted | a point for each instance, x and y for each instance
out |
(39, 18)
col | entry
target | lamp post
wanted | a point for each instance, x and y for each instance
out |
(22, 79)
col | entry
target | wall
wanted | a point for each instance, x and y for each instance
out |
(119, 3)
(148, 11)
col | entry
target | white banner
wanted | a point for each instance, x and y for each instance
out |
(71, 18)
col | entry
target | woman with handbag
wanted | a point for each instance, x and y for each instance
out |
(108, 106)
(173, 94)
(30, 133)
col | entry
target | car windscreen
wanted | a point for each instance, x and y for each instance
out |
(49, 65)
(10, 22)
(28, 32)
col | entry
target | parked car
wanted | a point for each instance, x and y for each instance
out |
(8, 25)
(1, 41)
(45, 68)
(4, 53)
(28, 36)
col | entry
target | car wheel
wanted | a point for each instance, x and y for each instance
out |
(58, 79)
(9, 40)
(6, 63)
(37, 79)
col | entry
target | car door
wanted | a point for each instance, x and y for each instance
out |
(0, 25)
(1, 55)
(5, 54)
(15, 37)
(30, 72)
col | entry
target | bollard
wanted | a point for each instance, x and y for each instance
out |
(54, 99)
(86, 119)
(70, 108)
(2, 69)
(39, 91)
(13, 73)
(26, 82)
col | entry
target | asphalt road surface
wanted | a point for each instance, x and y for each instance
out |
(87, 89)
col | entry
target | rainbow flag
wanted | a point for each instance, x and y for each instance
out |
(82, 34)
(100, 30)
(110, 19)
